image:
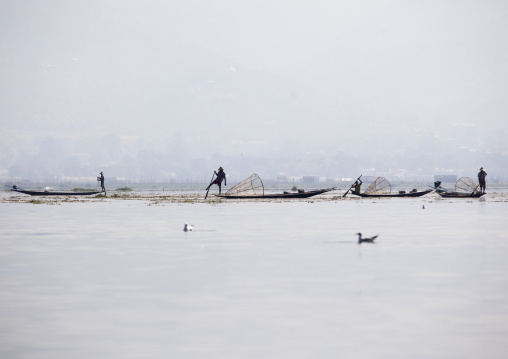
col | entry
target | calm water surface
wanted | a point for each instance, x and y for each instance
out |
(120, 279)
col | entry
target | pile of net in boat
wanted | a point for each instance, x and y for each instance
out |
(466, 185)
(379, 186)
(251, 186)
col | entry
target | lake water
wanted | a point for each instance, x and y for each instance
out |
(119, 278)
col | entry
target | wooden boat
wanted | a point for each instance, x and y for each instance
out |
(465, 187)
(302, 194)
(381, 188)
(405, 194)
(452, 194)
(51, 193)
(252, 188)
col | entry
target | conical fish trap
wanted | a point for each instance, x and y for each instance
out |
(379, 186)
(466, 185)
(251, 186)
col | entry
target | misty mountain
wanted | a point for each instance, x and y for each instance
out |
(174, 90)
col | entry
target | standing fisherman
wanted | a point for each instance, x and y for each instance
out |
(481, 179)
(101, 179)
(221, 175)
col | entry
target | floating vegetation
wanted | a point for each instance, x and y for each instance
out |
(124, 189)
(162, 198)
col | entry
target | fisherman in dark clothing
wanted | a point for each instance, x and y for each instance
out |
(101, 179)
(221, 175)
(481, 179)
(357, 185)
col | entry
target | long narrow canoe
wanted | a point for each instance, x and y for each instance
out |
(280, 195)
(407, 194)
(48, 193)
(453, 194)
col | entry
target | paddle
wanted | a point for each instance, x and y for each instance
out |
(472, 193)
(210, 184)
(344, 195)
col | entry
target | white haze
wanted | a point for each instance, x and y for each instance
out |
(162, 89)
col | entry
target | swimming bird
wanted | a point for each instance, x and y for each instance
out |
(369, 240)
(187, 228)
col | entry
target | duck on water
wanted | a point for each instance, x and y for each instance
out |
(368, 240)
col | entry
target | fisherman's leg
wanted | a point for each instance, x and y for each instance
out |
(210, 185)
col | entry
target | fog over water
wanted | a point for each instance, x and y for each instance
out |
(172, 90)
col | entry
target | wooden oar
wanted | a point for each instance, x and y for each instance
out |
(344, 195)
(210, 184)
(472, 193)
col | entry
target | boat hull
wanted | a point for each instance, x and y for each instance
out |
(280, 195)
(414, 194)
(43, 193)
(459, 195)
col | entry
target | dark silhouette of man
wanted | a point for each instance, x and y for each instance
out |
(101, 178)
(357, 185)
(221, 176)
(481, 179)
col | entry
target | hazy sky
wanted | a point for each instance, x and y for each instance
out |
(252, 77)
